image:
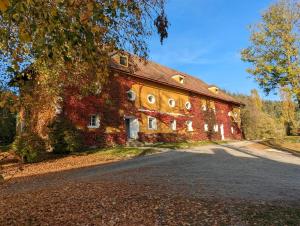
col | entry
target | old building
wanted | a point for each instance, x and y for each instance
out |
(153, 104)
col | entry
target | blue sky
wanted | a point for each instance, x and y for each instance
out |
(205, 40)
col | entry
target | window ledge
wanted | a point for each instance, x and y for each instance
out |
(93, 127)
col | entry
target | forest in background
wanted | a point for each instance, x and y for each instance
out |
(264, 119)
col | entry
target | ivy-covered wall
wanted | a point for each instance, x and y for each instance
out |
(113, 106)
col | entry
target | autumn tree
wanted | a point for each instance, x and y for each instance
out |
(289, 113)
(256, 123)
(68, 43)
(8, 109)
(274, 50)
(72, 37)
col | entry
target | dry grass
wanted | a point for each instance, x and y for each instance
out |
(289, 144)
(183, 145)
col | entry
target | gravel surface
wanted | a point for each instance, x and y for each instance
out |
(209, 185)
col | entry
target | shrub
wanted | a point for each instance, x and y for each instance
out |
(64, 136)
(7, 128)
(29, 147)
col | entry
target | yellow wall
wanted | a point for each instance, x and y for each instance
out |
(162, 95)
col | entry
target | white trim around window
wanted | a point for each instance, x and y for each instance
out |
(173, 125)
(152, 123)
(131, 95)
(94, 122)
(189, 125)
(205, 127)
(172, 103)
(151, 98)
(188, 105)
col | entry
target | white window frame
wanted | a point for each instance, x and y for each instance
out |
(206, 127)
(133, 97)
(188, 105)
(189, 125)
(153, 126)
(216, 128)
(149, 96)
(204, 107)
(96, 123)
(232, 130)
(172, 101)
(173, 125)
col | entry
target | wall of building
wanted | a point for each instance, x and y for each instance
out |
(113, 106)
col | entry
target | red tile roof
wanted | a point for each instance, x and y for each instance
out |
(161, 74)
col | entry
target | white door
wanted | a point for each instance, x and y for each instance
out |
(222, 131)
(134, 128)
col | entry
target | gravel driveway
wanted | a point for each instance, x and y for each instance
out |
(234, 170)
(233, 184)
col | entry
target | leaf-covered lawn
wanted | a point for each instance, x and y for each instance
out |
(57, 163)
(268, 214)
(106, 203)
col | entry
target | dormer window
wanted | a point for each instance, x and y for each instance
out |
(124, 61)
(178, 78)
(181, 80)
(214, 89)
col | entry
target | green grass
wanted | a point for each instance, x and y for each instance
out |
(183, 145)
(119, 152)
(4, 148)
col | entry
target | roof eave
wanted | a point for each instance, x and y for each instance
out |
(174, 86)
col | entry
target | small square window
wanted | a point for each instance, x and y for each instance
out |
(94, 121)
(152, 123)
(124, 60)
